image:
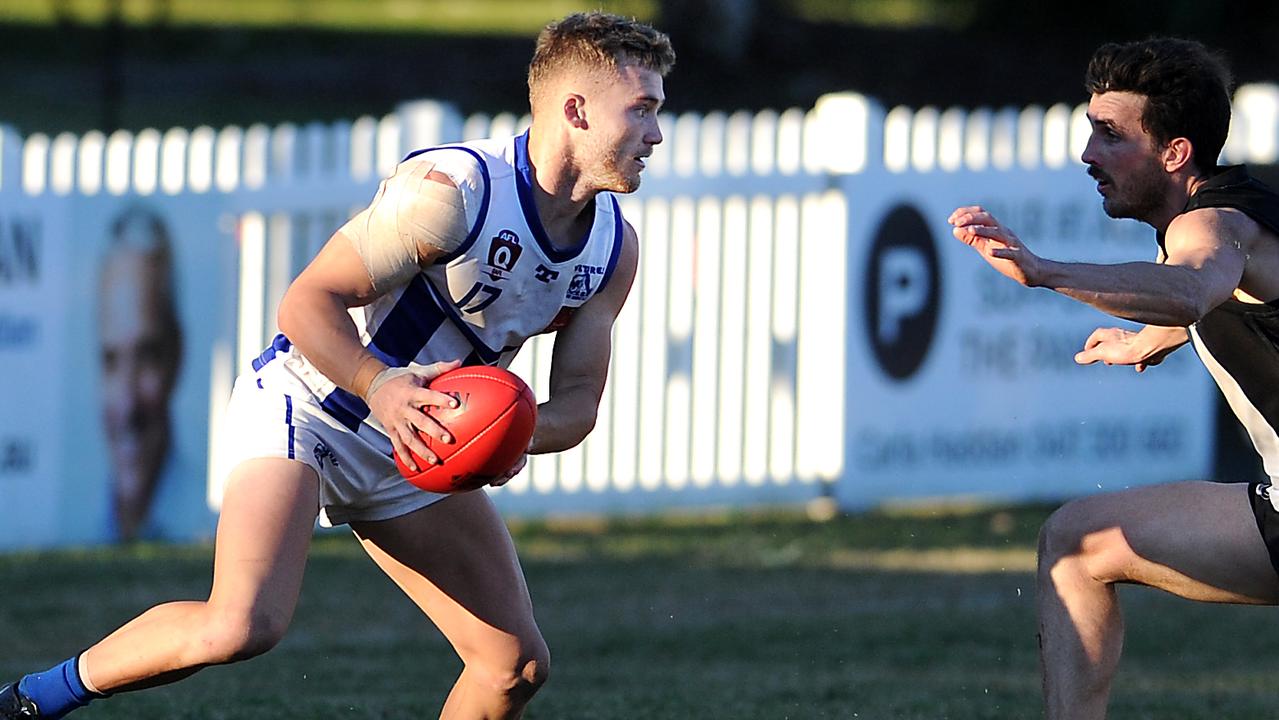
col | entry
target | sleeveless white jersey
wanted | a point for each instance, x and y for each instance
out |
(503, 285)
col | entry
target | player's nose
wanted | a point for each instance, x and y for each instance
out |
(654, 134)
(1089, 155)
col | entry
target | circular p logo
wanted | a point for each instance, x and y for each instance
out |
(902, 292)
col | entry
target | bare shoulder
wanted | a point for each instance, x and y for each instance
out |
(619, 286)
(628, 255)
(1209, 228)
(610, 299)
(1231, 235)
(629, 236)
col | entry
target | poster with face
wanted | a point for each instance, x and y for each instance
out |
(159, 298)
(133, 299)
(139, 354)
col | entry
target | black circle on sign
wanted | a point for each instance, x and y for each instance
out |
(902, 292)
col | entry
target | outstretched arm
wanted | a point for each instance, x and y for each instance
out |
(1203, 267)
(579, 363)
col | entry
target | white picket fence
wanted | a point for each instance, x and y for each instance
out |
(728, 382)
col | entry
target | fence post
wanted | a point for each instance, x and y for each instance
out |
(1254, 130)
(428, 122)
(848, 133)
(10, 159)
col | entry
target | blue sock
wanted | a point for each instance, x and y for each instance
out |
(56, 691)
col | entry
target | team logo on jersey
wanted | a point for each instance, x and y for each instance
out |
(546, 274)
(586, 279)
(322, 453)
(504, 252)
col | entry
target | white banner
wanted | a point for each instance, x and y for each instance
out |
(33, 316)
(963, 383)
(111, 318)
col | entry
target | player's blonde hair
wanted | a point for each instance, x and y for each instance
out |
(595, 40)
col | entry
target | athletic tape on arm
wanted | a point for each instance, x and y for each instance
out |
(389, 374)
(411, 219)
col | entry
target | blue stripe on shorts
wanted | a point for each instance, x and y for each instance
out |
(288, 420)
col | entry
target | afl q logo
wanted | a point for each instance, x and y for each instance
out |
(902, 292)
(504, 252)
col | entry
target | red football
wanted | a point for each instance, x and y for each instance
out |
(491, 428)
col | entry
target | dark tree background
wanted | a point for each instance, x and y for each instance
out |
(733, 54)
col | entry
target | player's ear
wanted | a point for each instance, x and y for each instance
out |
(1177, 154)
(575, 111)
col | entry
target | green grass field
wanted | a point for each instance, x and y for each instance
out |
(925, 614)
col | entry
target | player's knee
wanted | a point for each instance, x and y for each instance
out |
(234, 635)
(518, 675)
(1060, 535)
(1071, 541)
(532, 675)
(538, 669)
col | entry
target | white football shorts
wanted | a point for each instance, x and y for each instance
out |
(272, 414)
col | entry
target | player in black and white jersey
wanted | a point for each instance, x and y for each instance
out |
(465, 252)
(1160, 110)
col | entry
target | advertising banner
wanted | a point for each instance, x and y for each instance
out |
(105, 359)
(963, 383)
(33, 321)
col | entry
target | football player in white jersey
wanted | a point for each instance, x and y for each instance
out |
(322, 409)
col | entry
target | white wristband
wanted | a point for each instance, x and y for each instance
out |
(385, 376)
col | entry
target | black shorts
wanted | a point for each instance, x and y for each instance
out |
(1267, 519)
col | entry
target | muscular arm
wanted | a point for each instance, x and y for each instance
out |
(314, 315)
(579, 363)
(1203, 267)
(1139, 291)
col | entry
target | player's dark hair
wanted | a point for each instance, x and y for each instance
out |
(598, 39)
(1186, 85)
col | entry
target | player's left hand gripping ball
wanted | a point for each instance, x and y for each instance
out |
(491, 429)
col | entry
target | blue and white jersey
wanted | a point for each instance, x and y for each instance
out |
(504, 284)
